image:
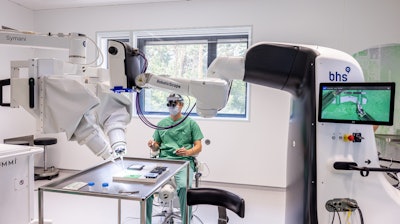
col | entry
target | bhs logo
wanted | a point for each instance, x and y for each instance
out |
(339, 77)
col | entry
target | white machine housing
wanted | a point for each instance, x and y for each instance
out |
(378, 200)
(69, 97)
(17, 184)
(313, 147)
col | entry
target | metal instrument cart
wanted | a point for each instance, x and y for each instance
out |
(104, 172)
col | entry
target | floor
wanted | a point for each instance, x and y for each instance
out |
(263, 205)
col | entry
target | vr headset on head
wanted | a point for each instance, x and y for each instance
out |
(173, 99)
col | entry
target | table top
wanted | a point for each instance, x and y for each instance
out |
(104, 173)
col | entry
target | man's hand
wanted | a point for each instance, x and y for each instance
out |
(182, 152)
(153, 145)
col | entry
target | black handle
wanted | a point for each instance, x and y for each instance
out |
(31, 92)
(4, 82)
(364, 171)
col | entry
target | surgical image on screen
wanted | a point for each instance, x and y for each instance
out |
(367, 104)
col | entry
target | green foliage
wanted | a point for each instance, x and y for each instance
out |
(189, 60)
(183, 61)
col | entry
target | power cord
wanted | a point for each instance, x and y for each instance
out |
(361, 215)
(345, 205)
(393, 176)
(153, 126)
(334, 214)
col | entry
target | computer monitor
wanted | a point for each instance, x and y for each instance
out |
(357, 103)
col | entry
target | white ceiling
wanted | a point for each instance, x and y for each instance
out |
(58, 4)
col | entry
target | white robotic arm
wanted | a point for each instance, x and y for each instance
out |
(211, 93)
(276, 65)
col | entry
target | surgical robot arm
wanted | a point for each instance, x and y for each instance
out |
(69, 97)
(275, 65)
(211, 93)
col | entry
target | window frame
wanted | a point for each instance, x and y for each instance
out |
(211, 36)
(138, 39)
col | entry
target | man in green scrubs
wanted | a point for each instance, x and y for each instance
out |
(181, 142)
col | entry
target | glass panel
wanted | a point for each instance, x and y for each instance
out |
(188, 57)
(184, 61)
(237, 97)
(175, 60)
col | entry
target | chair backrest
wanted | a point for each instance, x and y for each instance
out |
(217, 197)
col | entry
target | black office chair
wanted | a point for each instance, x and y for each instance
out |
(218, 197)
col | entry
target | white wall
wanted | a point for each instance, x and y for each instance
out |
(260, 143)
(14, 122)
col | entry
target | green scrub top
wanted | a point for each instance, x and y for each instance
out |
(183, 135)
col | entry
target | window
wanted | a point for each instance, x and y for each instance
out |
(187, 54)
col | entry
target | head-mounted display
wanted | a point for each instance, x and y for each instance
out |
(173, 100)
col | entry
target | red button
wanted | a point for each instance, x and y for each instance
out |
(350, 138)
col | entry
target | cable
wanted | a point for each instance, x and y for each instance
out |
(389, 160)
(195, 216)
(146, 63)
(187, 107)
(340, 220)
(333, 219)
(153, 126)
(348, 217)
(361, 215)
(393, 176)
(205, 165)
(348, 203)
(139, 109)
(99, 54)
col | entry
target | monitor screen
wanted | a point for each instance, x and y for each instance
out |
(357, 103)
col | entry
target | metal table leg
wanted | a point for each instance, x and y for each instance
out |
(187, 187)
(143, 211)
(119, 211)
(40, 199)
